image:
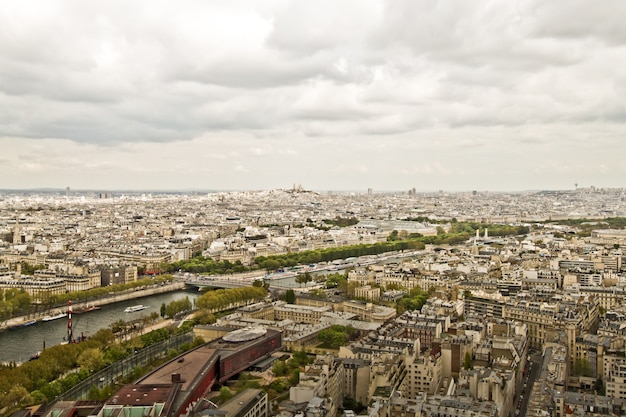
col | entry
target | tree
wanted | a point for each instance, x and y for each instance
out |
(17, 397)
(163, 309)
(91, 359)
(28, 269)
(337, 280)
(304, 278)
(177, 306)
(104, 337)
(118, 326)
(260, 283)
(301, 358)
(280, 368)
(272, 265)
(333, 337)
(225, 394)
(290, 296)
(318, 293)
(294, 377)
(467, 361)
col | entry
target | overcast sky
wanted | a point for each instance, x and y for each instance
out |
(333, 95)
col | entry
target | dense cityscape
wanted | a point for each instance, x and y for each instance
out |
(349, 208)
(359, 303)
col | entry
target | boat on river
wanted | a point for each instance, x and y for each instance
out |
(132, 309)
(25, 324)
(56, 316)
(86, 309)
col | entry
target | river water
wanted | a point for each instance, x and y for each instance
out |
(20, 344)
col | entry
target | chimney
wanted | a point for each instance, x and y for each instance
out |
(176, 377)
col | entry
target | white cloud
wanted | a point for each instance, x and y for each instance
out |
(356, 94)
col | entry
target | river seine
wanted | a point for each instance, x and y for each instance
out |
(20, 344)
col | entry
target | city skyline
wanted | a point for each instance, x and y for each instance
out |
(489, 96)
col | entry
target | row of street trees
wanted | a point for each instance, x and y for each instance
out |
(99, 292)
(61, 367)
(274, 262)
(227, 298)
(203, 265)
(175, 307)
(13, 301)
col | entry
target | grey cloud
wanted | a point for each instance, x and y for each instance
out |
(494, 34)
(242, 73)
(577, 19)
(302, 29)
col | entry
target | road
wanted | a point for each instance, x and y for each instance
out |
(534, 368)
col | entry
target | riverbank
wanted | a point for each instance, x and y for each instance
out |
(111, 299)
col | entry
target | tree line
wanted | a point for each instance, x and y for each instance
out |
(201, 264)
(175, 307)
(273, 262)
(61, 367)
(13, 301)
(223, 299)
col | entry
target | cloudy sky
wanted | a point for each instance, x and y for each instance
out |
(333, 95)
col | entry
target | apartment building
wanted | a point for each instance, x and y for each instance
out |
(356, 377)
(367, 292)
(298, 313)
(544, 319)
(608, 297)
(425, 405)
(368, 311)
(484, 305)
(423, 373)
(490, 385)
(263, 311)
(81, 282)
(38, 289)
(249, 403)
(322, 379)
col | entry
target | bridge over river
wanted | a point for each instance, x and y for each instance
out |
(202, 282)
(245, 279)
